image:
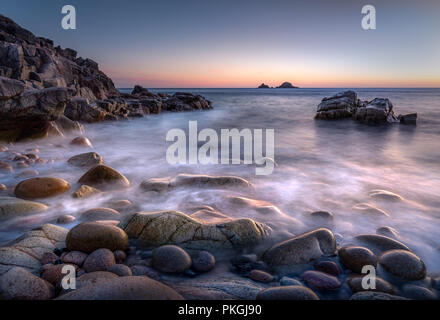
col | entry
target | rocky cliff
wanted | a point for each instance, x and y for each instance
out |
(44, 89)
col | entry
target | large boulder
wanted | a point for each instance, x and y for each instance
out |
(293, 254)
(341, 105)
(11, 207)
(35, 188)
(183, 101)
(19, 284)
(124, 288)
(85, 160)
(152, 229)
(403, 264)
(90, 236)
(379, 110)
(104, 177)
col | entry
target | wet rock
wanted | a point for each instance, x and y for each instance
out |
(415, 292)
(49, 257)
(124, 288)
(341, 105)
(385, 195)
(355, 284)
(403, 264)
(287, 293)
(119, 205)
(104, 177)
(171, 259)
(355, 258)
(99, 260)
(100, 214)
(370, 210)
(183, 101)
(246, 262)
(329, 267)
(93, 278)
(301, 249)
(152, 229)
(6, 167)
(81, 142)
(410, 118)
(193, 180)
(74, 257)
(379, 110)
(140, 270)
(11, 207)
(321, 281)
(121, 270)
(261, 276)
(65, 219)
(203, 261)
(90, 236)
(388, 232)
(85, 192)
(287, 281)
(28, 174)
(86, 160)
(120, 256)
(322, 217)
(379, 244)
(20, 284)
(371, 295)
(35, 188)
(435, 282)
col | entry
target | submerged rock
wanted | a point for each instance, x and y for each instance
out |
(371, 295)
(152, 229)
(403, 264)
(11, 207)
(301, 250)
(410, 118)
(104, 177)
(84, 160)
(90, 236)
(35, 188)
(385, 195)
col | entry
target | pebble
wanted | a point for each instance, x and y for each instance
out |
(355, 258)
(287, 293)
(321, 281)
(329, 267)
(171, 259)
(74, 257)
(81, 141)
(203, 261)
(120, 256)
(65, 219)
(261, 276)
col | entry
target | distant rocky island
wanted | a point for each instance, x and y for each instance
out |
(284, 85)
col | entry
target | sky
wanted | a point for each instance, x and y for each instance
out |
(242, 43)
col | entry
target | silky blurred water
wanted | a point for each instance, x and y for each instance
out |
(320, 165)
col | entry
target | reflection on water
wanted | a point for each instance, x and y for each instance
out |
(321, 165)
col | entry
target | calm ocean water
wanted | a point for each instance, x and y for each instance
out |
(321, 165)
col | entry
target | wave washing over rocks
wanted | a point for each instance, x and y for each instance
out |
(184, 236)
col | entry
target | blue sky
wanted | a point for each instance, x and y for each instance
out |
(242, 43)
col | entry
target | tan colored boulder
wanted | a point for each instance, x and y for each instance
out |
(84, 160)
(35, 188)
(11, 207)
(85, 191)
(97, 214)
(90, 236)
(104, 177)
(152, 229)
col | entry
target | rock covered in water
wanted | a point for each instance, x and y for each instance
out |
(90, 236)
(152, 229)
(104, 177)
(86, 160)
(301, 249)
(11, 207)
(403, 264)
(379, 244)
(35, 188)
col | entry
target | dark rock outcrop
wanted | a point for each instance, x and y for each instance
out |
(263, 86)
(41, 84)
(346, 104)
(287, 85)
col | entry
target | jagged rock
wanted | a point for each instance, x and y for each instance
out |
(183, 101)
(85, 191)
(139, 90)
(379, 110)
(152, 229)
(27, 250)
(293, 254)
(341, 105)
(10, 88)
